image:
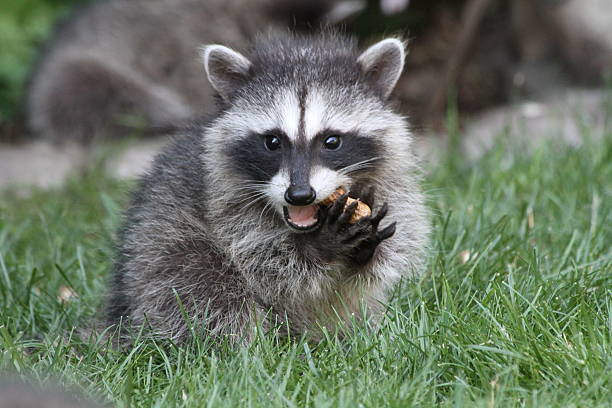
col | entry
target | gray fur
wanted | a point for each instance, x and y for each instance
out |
(120, 65)
(197, 237)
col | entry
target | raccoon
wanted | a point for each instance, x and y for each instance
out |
(227, 231)
(117, 66)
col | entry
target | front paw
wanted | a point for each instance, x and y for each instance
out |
(356, 242)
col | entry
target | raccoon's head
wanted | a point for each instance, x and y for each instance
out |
(302, 116)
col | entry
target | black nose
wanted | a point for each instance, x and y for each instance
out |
(300, 195)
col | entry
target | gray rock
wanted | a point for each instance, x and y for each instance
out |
(585, 34)
(569, 118)
(37, 163)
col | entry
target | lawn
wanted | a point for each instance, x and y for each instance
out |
(514, 309)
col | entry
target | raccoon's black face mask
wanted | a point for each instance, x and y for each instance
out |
(310, 169)
(305, 127)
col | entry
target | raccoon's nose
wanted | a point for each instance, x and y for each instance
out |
(300, 195)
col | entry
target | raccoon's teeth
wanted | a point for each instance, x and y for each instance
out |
(303, 216)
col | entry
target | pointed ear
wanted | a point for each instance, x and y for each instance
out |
(226, 69)
(382, 64)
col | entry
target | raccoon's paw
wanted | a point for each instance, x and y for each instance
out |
(358, 241)
(365, 236)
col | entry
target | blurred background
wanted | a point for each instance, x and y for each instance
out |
(476, 68)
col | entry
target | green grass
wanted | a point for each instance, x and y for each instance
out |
(525, 322)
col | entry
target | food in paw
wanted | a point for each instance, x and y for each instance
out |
(362, 210)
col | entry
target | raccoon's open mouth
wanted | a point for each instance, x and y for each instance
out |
(303, 218)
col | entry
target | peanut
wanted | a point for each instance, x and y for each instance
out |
(361, 211)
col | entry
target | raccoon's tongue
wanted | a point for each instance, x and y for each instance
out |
(303, 216)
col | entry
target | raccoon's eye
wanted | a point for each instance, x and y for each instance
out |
(332, 142)
(272, 142)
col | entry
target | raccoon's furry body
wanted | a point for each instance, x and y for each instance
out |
(226, 228)
(120, 65)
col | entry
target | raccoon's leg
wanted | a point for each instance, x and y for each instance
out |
(181, 289)
(354, 243)
(83, 99)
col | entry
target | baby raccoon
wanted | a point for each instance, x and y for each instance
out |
(228, 230)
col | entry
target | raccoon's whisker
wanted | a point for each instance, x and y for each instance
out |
(249, 190)
(250, 198)
(255, 187)
(253, 202)
(249, 187)
(255, 182)
(248, 202)
(354, 169)
(260, 184)
(248, 193)
(267, 207)
(358, 166)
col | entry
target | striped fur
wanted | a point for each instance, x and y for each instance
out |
(204, 238)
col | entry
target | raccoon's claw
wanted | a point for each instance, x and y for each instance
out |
(380, 214)
(387, 232)
(366, 236)
(347, 214)
(336, 209)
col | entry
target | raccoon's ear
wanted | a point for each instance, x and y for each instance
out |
(226, 69)
(382, 64)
